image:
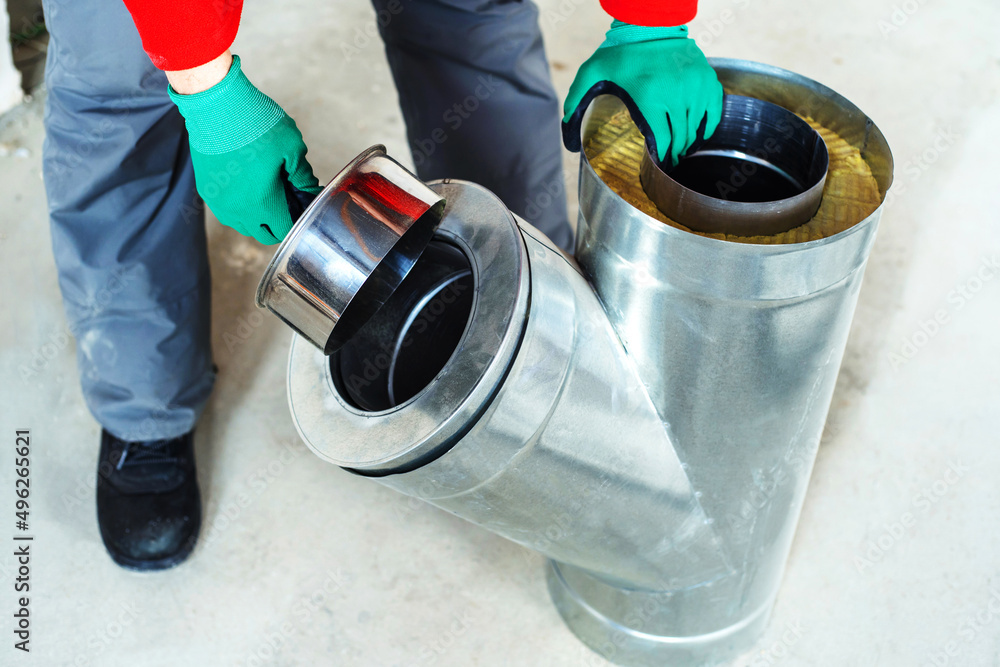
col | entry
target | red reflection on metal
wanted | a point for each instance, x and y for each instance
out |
(373, 192)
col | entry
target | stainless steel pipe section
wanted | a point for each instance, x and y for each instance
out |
(647, 418)
(405, 436)
(568, 458)
(350, 249)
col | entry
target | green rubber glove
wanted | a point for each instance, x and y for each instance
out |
(249, 158)
(664, 80)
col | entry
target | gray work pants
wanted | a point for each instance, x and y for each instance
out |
(127, 225)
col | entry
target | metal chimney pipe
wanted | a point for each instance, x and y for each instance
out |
(647, 418)
(739, 346)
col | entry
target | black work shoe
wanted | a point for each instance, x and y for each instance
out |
(148, 505)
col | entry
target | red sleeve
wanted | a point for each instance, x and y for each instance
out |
(652, 12)
(181, 34)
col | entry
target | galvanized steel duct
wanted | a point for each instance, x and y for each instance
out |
(620, 414)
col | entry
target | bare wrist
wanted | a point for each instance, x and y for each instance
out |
(203, 77)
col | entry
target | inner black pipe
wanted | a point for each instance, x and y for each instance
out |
(404, 346)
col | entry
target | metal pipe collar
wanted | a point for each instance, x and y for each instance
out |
(762, 172)
(350, 249)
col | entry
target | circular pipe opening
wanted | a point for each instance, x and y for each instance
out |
(760, 152)
(761, 172)
(404, 346)
(350, 249)
(735, 176)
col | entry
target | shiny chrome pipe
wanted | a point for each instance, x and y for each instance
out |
(646, 414)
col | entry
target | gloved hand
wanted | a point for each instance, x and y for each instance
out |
(664, 80)
(249, 158)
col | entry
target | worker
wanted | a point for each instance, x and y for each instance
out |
(126, 157)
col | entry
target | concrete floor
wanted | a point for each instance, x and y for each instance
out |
(303, 564)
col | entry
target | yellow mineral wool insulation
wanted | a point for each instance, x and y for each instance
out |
(850, 195)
